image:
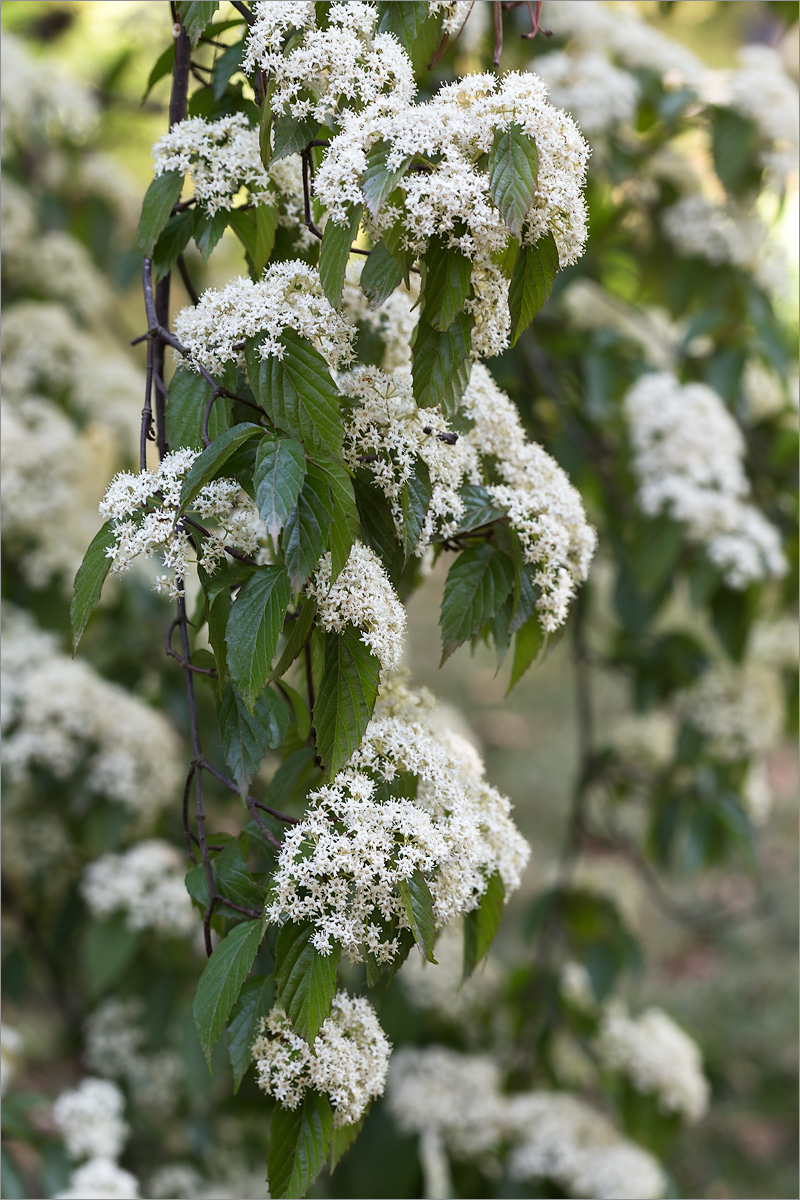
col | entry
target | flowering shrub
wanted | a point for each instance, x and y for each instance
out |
(319, 434)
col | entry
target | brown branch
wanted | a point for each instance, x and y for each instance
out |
(187, 281)
(244, 10)
(497, 9)
(229, 783)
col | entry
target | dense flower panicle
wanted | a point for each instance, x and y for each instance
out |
(347, 1063)
(288, 297)
(765, 392)
(456, 1095)
(146, 883)
(440, 988)
(220, 156)
(394, 322)
(57, 713)
(658, 1057)
(739, 709)
(361, 595)
(588, 306)
(452, 198)
(588, 86)
(542, 505)
(386, 427)
(342, 865)
(347, 64)
(760, 89)
(562, 1138)
(140, 529)
(726, 233)
(688, 456)
(89, 1118)
(41, 104)
(647, 740)
(101, 1179)
(115, 1042)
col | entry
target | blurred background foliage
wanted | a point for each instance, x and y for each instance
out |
(712, 904)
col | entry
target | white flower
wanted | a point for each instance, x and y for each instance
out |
(596, 93)
(658, 1057)
(760, 89)
(59, 714)
(740, 709)
(221, 157)
(361, 595)
(89, 1118)
(646, 739)
(101, 1179)
(342, 866)
(347, 1063)
(156, 528)
(146, 883)
(699, 227)
(288, 297)
(588, 306)
(439, 988)
(688, 456)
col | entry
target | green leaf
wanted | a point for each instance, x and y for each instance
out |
(228, 63)
(482, 923)
(292, 134)
(334, 253)
(299, 1145)
(254, 627)
(735, 147)
(479, 508)
(441, 364)
(187, 396)
(89, 581)
(108, 948)
(341, 1142)
(415, 498)
(162, 66)
(279, 474)
(529, 641)
(418, 903)
(227, 576)
(159, 200)
(172, 242)
(196, 15)
(213, 458)
(416, 28)
(256, 228)
(513, 169)
(476, 587)
(255, 1002)
(531, 282)
(301, 714)
(209, 230)
(447, 283)
(346, 697)
(380, 276)
(222, 980)
(298, 393)
(344, 523)
(246, 736)
(235, 880)
(377, 180)
(305, 533)
(291, 777)
(377, 525)
(299, 632)
(305, 979)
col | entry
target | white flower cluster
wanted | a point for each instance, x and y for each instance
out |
(455, 13)
(115, 1048)
(658, 1057)
(553, 1135)
(101, 1179)
(451, 196)
(764, 391)
(596, 93)
(646, 739)
(89, 1118)
(625, 36)
(347, 64)
(342, 865)
(386, 428)
(221, 157)
(439, 988)
(687, 456)
(588, 306)
(739, 709)
(46, 352)
(726, 233)
(146, 884)
(361, 595)
(288, 297)
(394, 322)
(59, 714)
(139, 529)
(542, 505)
(562, 1138)
(347, 1063)
(39, 105)
(760, 89)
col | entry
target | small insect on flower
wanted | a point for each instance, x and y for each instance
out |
(449, 438)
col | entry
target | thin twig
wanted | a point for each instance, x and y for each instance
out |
(244, 10)
(229, 783)
(497, 9)
(187, 282)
